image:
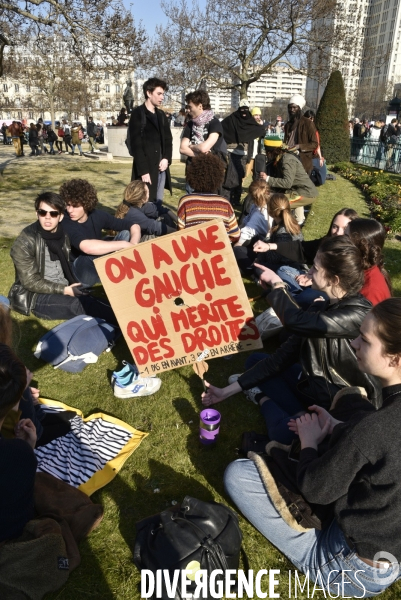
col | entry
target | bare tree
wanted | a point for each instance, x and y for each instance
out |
(233, 44)
(102, 28)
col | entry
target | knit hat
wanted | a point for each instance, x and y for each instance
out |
(298, 100)
(256, 111)
(273, 141)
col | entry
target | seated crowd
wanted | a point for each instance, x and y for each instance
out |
(333, 384)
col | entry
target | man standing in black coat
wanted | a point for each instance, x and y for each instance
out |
(151, 140)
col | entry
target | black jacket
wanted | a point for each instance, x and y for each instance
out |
(360, 475)
(28, 254)
(321, 345)
(149, 144)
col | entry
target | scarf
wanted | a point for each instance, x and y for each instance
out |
(198, 124)
(54, 242)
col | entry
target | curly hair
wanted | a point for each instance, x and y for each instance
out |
(199, 97)
(79, 192)
(205, 173)
(260, 192)
(369, 236)
(134, 194)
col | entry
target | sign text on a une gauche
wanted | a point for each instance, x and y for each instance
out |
(178, 295)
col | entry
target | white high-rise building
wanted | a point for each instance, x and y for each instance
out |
(381, 67)
(348, 30)
(280, 84)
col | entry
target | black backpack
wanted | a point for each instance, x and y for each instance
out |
(143, 125)
(203, 535)
(384, 134)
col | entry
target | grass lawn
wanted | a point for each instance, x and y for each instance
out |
(170, 458)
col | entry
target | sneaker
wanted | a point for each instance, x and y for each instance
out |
(66, 152)
(127, 371)
(234, 378)
(250, 394)
(140, 386)
(96, 150)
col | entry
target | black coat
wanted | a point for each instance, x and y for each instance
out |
(321, 345)
(149, 148)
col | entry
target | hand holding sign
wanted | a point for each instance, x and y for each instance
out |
(201, 367)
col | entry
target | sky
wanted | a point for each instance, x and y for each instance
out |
(149, 11)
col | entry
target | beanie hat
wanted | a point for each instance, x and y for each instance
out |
(273, 141)
(298, 100)
(256, 111)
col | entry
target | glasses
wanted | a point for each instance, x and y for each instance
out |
(43, 213)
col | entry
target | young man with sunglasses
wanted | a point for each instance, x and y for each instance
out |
(44, 282)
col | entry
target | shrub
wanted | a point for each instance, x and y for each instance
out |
(332, 121)
(382, 191)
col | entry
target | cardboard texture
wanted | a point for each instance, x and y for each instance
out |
(178, 295)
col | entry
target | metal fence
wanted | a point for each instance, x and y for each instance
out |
(376, 154)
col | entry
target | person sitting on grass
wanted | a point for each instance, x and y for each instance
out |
(84, 224)
(317, 361)
(369, 236)
(357, 477)
(153, 220)
(284, 229)
(44, 281)
(257, 223)
(17, 459)
(205, 175)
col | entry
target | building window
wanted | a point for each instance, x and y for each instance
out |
(107, 89)
(30, 115)
(117, 89)
(16, 87)
(19, 115)
(5, 87)
(28, 88)
(106, 75)
(97, 87)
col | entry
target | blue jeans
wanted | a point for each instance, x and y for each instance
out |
(304, 296)
(325, 554)
(83, 267)
(79, 148)
(161, 182)
(285, 400)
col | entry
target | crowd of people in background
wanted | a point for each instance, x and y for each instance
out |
(334, 383)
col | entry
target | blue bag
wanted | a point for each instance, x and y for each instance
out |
(76, 343)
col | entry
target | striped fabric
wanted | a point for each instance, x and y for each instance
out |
(195, 209)
(92, 453)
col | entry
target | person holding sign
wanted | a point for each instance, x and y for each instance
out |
(205, 175)
(317, 361)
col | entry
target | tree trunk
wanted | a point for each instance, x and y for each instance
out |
(243, 93)
(52, 113)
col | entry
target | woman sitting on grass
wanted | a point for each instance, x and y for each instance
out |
(153, 220)
(357, 477)
(257, 223)
(369, 236)
(284, 229)
(316, 361)
(205, 175)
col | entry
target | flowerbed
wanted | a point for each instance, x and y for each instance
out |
(382, 191)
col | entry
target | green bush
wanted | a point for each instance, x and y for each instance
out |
(382, 191)
(332, 121)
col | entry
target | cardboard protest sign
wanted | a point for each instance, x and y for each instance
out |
(179, 295)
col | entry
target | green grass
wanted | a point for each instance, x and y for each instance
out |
(170, 458)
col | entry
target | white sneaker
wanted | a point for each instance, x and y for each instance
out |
(96, 150)
(268, 324)
(140, 386)
(234, 378)
(250, 394)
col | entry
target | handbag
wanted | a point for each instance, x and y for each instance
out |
(279, 476)
(197, 535)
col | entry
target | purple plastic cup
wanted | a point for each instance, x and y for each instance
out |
(209, 426)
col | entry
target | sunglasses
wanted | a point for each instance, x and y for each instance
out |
(43, 213)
